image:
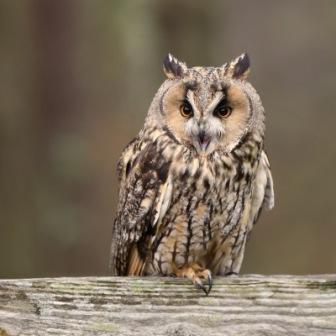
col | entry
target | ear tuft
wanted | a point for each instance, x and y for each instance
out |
(173, 68)
(240, 67)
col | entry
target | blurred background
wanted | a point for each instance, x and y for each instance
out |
(76, 81)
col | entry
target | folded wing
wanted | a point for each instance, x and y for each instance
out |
(143, 178)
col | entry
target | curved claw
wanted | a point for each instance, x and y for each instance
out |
(210, 283)
(201, 286)
(195, 273)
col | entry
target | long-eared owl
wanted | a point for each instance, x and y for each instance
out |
(194, 180)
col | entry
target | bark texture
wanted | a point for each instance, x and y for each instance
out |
(245, 305)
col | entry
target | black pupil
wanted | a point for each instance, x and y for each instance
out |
(186, 108)
(222, 109)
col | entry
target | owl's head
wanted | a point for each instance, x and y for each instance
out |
(208, 108)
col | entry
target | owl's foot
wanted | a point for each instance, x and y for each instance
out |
(196, 274)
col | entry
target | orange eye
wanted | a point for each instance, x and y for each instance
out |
(186, 110)
(223, 110)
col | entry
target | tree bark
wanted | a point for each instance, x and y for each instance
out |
(244, 305)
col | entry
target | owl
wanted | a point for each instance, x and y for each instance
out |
(195, 179)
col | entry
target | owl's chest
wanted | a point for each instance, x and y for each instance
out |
(202, 204)
(205, 199)
(214, 185)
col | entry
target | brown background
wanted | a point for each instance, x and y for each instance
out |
(76, 79)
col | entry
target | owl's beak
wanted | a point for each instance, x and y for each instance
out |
(203, 140)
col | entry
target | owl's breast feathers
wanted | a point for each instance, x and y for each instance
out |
(174, 203)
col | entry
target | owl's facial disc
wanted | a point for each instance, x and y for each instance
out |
(205, 118)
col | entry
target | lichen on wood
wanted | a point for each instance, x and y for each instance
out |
(245, 305)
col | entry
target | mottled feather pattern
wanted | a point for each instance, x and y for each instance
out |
(192, 186)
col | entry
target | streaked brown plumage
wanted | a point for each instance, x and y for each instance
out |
(193, 182)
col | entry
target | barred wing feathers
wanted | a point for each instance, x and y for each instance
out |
(143, 176)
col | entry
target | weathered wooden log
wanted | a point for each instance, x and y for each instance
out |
(245, 305)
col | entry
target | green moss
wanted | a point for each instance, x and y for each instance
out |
(73, 287)
(21, 295)
(104, 326)
(111, 284)
(208, 301)
(137, 288)
(323, 286)
(207, 321)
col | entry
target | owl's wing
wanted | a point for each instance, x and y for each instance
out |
(268, 202)
(263, 193)
(143, 178)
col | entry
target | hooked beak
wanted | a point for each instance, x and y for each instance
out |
(203, 140)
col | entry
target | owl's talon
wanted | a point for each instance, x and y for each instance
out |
(195, 273)
(206, 274)
(210, 283)
(199, 285)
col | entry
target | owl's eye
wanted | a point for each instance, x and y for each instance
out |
(186, 110)
(223, 110)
